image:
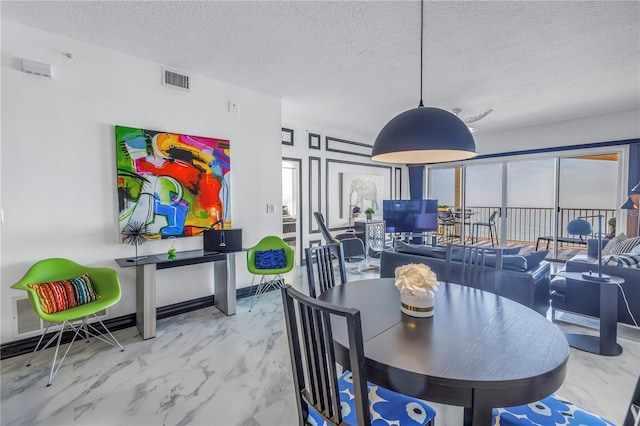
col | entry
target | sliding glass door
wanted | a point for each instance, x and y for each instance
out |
(587, 189)
(535, 199)
(531, 189)
(483, 202)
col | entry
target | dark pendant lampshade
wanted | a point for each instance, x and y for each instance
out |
(424, 135)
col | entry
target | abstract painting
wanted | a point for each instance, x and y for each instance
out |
(177, 184)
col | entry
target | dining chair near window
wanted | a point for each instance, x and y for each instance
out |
(326, 259)
(463, 219)
(269, 259)
(474, 267)
(322, 395)
(491, 224)
(446, 224)
(63, 292)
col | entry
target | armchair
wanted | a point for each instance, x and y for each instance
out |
(59, 293)
(353, 247)
(263, 261)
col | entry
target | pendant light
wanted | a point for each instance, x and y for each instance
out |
(424, 134)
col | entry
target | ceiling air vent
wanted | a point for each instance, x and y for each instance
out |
(176, 79)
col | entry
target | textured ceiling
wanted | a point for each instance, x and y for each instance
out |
(354, 65)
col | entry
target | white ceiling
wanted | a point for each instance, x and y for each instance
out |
(354, 65)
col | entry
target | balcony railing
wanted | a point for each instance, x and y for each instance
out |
(526, 224)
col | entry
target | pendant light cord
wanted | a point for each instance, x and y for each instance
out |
(421, 48)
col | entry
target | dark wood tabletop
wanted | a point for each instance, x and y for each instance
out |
(478, 351)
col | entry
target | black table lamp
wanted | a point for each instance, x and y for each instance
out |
(580, 226)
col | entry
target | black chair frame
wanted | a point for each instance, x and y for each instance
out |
(475, 228)
(473, 266)
(326, 258)
(313, 360)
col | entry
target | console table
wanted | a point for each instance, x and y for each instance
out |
(605, 343)
(224, 276)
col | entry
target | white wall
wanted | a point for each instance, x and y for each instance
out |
(302, 126)
(58, 177)
(601, 128)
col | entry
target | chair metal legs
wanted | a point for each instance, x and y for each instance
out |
(266, 282)
(89, 330)
(475, 230)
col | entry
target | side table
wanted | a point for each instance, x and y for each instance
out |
(374, 233)
(605, 343)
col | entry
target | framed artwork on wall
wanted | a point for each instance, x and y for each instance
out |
(287, 136)
(349, 183)
(359, 192)
(176, 184)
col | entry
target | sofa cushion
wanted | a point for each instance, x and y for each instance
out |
(534, 259)
(623, 260)
(435, 252)
(509, 262)
(620, 244)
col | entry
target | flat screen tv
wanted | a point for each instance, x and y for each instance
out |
(410, 215)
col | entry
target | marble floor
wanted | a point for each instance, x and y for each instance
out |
(205, 368)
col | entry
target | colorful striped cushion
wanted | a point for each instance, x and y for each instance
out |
(60, 295)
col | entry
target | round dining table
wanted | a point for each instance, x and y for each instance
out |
(478, 351)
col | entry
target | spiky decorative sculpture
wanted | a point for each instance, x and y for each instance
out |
(135, 233)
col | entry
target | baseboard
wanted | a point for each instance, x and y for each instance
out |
(25, 346)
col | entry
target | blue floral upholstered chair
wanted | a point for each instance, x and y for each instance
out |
(325, 398)
(550, 411)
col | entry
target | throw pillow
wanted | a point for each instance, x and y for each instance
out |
(506, 251)
(620, 244)
(635, 250)
(623, 260)
(270, 259)
(534, 259)
(419, 249)
(509, 262)
(61, 295)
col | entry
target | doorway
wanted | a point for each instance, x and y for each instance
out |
(291, 203)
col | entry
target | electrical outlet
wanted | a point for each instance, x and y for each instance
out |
(271, 208)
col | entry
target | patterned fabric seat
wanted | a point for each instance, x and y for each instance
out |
(549, 411)
(386, 407)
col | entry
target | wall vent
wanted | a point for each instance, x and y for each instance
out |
(176, 79)
(27, 323)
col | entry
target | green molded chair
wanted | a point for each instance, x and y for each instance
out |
(106, 284)
(269, 278)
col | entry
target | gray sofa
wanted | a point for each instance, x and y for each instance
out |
(530, 288)
(584, 297)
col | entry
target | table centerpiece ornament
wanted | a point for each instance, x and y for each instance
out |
(416, 283)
